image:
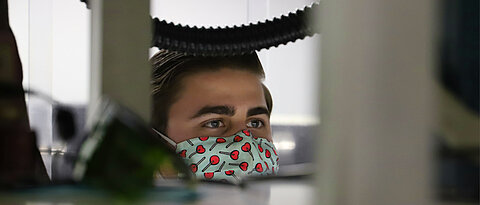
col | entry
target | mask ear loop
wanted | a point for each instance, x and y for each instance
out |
(170, 141)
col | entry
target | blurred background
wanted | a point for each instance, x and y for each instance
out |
(54, 45)
(397, 118)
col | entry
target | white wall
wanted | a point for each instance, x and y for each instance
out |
(53, 37)
(291, 70)
(54, 44)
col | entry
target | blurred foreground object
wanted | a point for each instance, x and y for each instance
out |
(458, 125)
(376, 103)
(20, 161)
(122, 154)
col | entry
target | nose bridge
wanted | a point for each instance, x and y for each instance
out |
(236, 125)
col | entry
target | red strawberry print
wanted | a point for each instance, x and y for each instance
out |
(234, 154)
(243, 166)
(260, 148)
(208, 175)
(259, 167)
(237, 138)
(214, 159)
(200, 149)
(194, 168)
(183, 153)
(246, 147)
(267, 153)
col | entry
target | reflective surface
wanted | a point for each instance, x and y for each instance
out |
(279, 191)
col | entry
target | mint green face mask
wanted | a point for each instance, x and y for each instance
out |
(228, 159)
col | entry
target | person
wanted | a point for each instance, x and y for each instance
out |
(21, 164)
(215, 113)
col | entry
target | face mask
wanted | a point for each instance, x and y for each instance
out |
(228, 159)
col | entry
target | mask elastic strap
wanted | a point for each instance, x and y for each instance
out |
(170, 141)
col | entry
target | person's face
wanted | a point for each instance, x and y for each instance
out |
(219, 103)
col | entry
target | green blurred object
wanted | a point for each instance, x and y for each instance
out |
(122, 154)
(78, 194)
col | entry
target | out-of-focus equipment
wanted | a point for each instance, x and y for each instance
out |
(64, 118)
(458, 125)
(122, 154)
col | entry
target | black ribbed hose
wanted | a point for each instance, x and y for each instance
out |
(235, 40)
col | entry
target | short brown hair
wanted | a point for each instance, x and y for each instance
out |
(169, 68)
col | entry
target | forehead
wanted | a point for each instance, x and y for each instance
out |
(227, 86)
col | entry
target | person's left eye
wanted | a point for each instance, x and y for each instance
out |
(255, 124)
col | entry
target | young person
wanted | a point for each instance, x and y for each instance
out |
(215, 112)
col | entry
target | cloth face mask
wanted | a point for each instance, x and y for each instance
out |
(228, 159)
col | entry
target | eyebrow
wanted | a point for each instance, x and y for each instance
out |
(258, 111)
(221, 110)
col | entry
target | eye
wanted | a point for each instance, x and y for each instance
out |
(255, 124)
(214, 124)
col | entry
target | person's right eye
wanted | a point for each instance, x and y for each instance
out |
(214, 124)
